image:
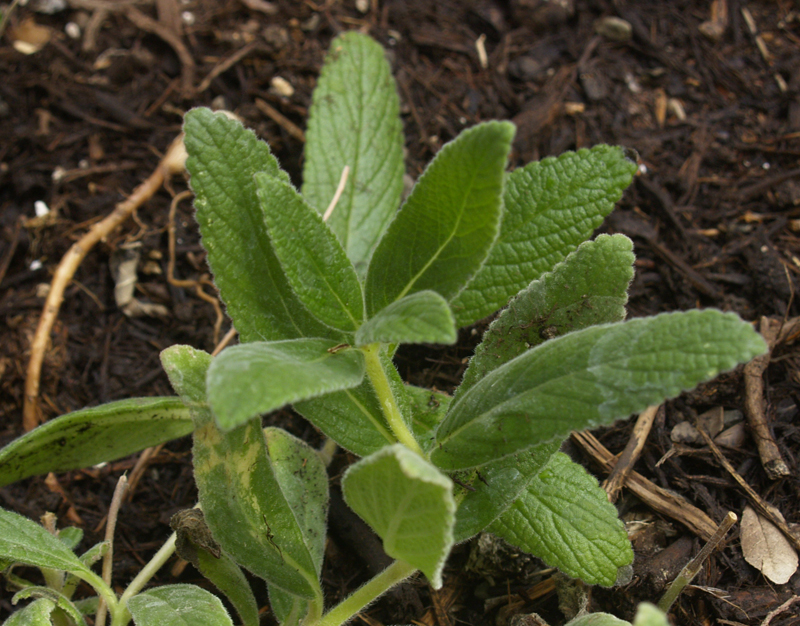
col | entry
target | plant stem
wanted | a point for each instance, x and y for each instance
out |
(396, 573)
(695, 565)
(383, 389)
(122, 616)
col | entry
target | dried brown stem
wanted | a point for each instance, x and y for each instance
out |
(276, 116)
(660, 500)
(613, 484)
(171, 163)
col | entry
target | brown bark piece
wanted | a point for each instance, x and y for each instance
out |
(624, 466)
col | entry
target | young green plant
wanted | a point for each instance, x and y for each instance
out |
(321, 306)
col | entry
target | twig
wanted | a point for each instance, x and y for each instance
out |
(138, 469)
(11, 250)
(276, 116)
(755, 405)
(108, 558)
(152, 26)
(763, 507)
(225, 341)
(774, 613)
(172, 163)
(660, 500)
(226, 64)
(696, 564)
(613, 484)
(337, 194)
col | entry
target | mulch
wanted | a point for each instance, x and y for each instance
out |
(708, 94)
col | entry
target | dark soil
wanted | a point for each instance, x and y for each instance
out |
(715, 217)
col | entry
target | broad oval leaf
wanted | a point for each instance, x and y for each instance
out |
(421, 317)
(37, 613)
(178, 605)
(60, 600)
(551, 206)
(90, 436)
(589, 377)
(250, 379)
(408, 503)
(311, 257)
(223, 157)
(354, 121)
(589, 287)
(447, 225)
(25, 541)
(564, 518)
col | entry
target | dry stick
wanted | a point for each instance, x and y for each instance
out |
(755, 406)
(338, 194)
(773, 614)
(696, 564)
(761, 505)
(108, 559)
(226, 64)
(288, 125)
(613, 484)
(172, 163)
(660, 500)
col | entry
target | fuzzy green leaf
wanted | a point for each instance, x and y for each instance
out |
(428, 408)
(25, 541)
(311, 257)
(447, 225)
(228, 577)
(408, 503)
(495, 486)
(353, 418)
(589, 287)
(37, 613)
(250, 379)
(421, 317)
(564, 518)
(287, 608)
(90, 436)
(244, 503)
(178, 605)
(223, 157)
(354, 121)
(589, 377)
(551, 206)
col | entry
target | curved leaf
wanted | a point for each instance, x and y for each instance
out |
(178, 605)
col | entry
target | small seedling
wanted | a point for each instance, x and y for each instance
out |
(321, 306)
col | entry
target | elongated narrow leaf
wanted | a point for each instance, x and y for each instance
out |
(37, 613)
(495, 486)
(551, 206)
(223, 157)
(311, 257)
(228, 577)
(590, 287)
(564, 518)
(408, 503)
(445, 229)
(589, 377)
(353, 418)
(25, 541)
(286, 608)
(90, 436)
(178, 605)
(242, 499)
(247, 380)
(422, 317)
(354, 121)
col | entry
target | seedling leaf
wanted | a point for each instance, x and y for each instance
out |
(90, 436)
(564, 518)
(354, 121)
(223, 157)
(444, 230)
(178, 605)
(421, 317)
(37, 613)
(311, 257)
(589, 287)
(408, 503)
(247, 380)
(589, 377)
(228, 577)
(551, 206)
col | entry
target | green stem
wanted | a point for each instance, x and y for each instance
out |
(122, 616)
(383, 389)
(396, 573)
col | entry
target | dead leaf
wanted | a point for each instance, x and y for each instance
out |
(766, 549)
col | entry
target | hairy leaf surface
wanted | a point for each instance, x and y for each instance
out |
(551, 206)
(178, 605)
(421, 317)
